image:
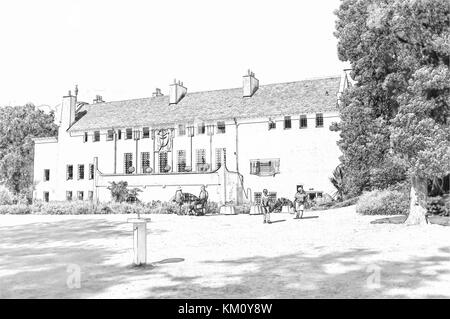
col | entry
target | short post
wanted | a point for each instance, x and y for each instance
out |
(139, 240)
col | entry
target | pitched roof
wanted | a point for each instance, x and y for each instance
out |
(308, 96)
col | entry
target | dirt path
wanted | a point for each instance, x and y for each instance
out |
(330, 254)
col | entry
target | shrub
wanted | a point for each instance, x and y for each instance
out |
(120, 192)
(63, 208)
(6, 197)
(438, 205)
(19, 209)
(242, 209)
(383, 202)
(213, 208)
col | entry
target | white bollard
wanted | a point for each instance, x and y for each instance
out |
(227, 210)
(139, 240)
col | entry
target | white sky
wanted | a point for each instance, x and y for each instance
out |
(124, 49)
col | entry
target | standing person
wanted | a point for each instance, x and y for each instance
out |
(299, 202)
(265, 206)
(179, 199)
(203, 198)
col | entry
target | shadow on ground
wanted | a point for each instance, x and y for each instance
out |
(34, 260)
(297, 276)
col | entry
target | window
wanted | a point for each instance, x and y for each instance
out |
(272, 125)
(145, 162)
(219, 157)
(220, 127)
(90, 195)
(81, 171)
(210, 129)
(85, 137)
(257, 197)
(128, 163)
(46, 175)
(319, 120)
(69, 172)
(96, 136)
(46, 196)
(272, 196)
(91, 171)
(265, 167)
(119, 134)
(68, 195)
(303, 121)
(80, 195)
(287, 122)
(129, 134)
(190, 131)
(145, 132)
(201, 128)
(163, 162)
(201, 160)
(181, 160)
(110, 135)
(181, 129)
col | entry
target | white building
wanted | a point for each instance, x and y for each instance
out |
(273, 136)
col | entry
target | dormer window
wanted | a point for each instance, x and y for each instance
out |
(201, 128)
(221, 127)
(303, 121)
(145, 132)
(129, 134)
(287, 122)
(110, 135)
(96, 136)
(319, 120)
(181, 130)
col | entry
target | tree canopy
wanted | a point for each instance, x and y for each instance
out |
(398, 112)
(18, 125)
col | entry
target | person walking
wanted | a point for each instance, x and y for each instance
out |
(203, 198)
(265, 201)
(299, 202)
(179, 197)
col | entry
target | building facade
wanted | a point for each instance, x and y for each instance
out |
(235, 141)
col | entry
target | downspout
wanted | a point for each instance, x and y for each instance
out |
(115, 152)
(154, 164)
(137, 155)
(192, 165)
(210, 153)
(237, 144)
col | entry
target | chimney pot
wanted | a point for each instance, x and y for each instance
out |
(157, 92)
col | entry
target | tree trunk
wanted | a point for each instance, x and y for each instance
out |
(417, 208)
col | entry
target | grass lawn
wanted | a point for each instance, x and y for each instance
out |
(330, 254)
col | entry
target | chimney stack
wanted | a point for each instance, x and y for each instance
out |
(157, 92)
(251, 84)
(176, 92)
(68, 110)
(98, 99)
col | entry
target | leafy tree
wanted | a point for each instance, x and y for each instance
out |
(120, 192)
(399, 51)
(338, 181)
(18, 126)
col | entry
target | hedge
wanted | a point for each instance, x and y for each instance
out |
(85, 207)
(383, 202)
